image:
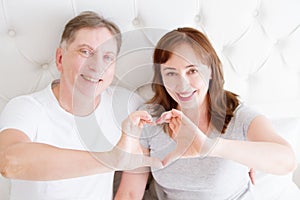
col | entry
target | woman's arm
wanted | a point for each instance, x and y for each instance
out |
(132, 186)
(265, 150)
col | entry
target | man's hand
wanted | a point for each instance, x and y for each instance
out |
(128, 153)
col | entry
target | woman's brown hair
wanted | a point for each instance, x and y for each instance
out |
(221, 103)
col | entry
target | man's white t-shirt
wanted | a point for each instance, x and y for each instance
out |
(43, 120)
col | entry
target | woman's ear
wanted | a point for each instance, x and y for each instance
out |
(59, 53)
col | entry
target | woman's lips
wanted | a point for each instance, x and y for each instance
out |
(185, 96)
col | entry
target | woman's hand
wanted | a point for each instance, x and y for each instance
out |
(128, 153)
(252, 175)
(189, 138)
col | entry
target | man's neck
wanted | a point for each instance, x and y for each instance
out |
(78, 104)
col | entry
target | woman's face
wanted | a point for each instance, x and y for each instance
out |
(185, 78)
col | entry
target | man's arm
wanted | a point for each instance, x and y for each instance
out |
(22, 159)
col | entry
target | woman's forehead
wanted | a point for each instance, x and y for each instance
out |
(187, 53)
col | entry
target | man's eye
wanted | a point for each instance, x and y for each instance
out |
(86, 52)
(108, 58)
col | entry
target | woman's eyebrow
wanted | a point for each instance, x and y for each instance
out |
(173, 68)
(190, 66)
(169, 68)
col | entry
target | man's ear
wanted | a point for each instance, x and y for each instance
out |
(59, 53)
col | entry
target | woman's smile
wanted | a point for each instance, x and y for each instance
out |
(186, 96)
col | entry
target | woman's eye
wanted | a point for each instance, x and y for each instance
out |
(193, 71)
(170, 73)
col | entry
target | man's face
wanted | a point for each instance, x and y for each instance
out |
(87, 64)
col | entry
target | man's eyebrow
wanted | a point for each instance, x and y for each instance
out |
(111, 52)
(85, 45)
(91, 48)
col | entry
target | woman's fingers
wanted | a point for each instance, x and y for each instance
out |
(168, 115)
(252, 176)
(165, 117)
(175, 124)
(176, 113)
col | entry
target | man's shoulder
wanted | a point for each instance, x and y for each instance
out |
(30, 99)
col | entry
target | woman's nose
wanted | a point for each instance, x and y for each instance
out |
(182, 84)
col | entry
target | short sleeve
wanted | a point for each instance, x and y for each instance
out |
(244, 116)
(22, 113)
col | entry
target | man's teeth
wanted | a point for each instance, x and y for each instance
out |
(90, 79)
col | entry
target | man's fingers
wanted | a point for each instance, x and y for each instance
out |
(133, 125)
(141, 115)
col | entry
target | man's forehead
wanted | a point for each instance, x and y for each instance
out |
(94, 37)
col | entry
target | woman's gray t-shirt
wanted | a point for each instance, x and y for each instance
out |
(207, 178)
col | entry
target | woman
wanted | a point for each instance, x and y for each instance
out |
(207, 139)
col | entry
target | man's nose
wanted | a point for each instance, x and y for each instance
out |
(95, 63)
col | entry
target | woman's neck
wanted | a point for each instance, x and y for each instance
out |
(199, 115)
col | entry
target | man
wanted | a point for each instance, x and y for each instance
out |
(68, 130)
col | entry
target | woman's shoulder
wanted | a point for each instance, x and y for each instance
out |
(244, 111)
(243, 116)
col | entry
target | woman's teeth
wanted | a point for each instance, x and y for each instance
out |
(185, 95)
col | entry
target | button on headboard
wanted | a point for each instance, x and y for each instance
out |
(258, 42)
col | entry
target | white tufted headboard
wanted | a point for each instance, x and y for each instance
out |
(258, 42)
